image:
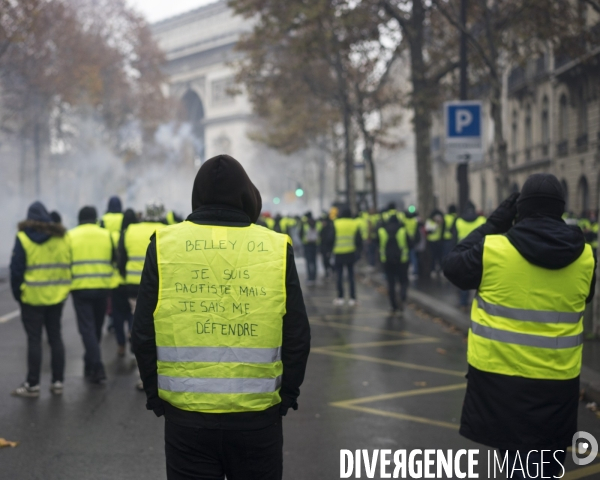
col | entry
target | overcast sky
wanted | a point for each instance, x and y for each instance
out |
(155, 10)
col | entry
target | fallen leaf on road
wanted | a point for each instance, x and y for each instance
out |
(441, 351)
(592, 406)
(6, 443)
(420, 384)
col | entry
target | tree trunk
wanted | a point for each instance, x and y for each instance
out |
(421, 98)
(373, 175)
(349, 162)
(500, 144)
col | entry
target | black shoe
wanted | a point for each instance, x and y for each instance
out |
(98, 376)
(87, 371)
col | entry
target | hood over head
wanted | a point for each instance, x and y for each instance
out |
(39, 226)
(114, 205)
(547, 242)
(541, 196)
(223, 181)
(344, 212)
(87, 215)
(129, 217)
(470, 214)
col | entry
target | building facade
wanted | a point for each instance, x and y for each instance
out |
(551, 111)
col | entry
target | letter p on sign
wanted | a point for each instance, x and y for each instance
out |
(463, 119)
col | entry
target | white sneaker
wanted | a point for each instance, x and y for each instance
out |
(351, 302)
(338, 301)
(26, 391)
(56, 388)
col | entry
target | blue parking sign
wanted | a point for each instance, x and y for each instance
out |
(463, 140)
(464, 120)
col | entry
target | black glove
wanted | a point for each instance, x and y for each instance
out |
(502, 218)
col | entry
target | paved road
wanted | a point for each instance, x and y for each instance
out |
(373, 382)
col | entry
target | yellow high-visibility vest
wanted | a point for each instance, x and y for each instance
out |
(401, 239)
(171, 218)
(112, 221)
(434, 233)
(527, 321)
(47, 271)
(345, 232)
(449, 219)
(411, 225)
(91, 257)
(219, 317)
(137, 238)
(464, 228)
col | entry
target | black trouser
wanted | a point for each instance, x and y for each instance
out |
(90, 318)
(341, 261)
(310, 254)
(34, 319)
(209, 454)
(396, 272)
(121, 313)
(326, 255)
(437, 254)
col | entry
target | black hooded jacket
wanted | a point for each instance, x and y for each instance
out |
(39, 227)
(508, 412)
(242, 209)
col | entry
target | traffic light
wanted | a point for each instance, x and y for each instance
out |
(276, 200)
(299, 192)
(412, 209)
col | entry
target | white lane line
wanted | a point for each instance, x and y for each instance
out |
(9, 316)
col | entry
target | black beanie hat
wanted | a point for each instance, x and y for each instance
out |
(88, 215)
(223, 181)
(541, 195)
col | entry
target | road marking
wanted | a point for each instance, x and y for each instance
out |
(385, 343)
(405, 393)
(360, 328)
(394, 363)
(9, 316)
(582, 472)
(402, 416)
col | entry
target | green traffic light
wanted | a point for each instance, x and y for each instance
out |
(276, 200)
(412, 209)
(299, 192)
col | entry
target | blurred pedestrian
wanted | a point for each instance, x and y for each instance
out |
(122, 311)
(40, 275)
(463, 226)
(327, 239)
(411, 223)
(393, 249)
(212, 360)
(55, 216)
(92, 266)
(347, 243)
(435, 241)
(449, 220)
(113, 218)
(310, 240)
(533, 281)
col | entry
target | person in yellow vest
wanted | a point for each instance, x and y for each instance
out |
(40, 276)
(463, 226)
(121, 308)
(394, 256)
(113, 218)
(92, 267)
(347, 243)
(326, 241)
(310, 241)
(172, 218)
(533, 280)
(435, 239)
(221, 341)
(449, 220)
(411, 223)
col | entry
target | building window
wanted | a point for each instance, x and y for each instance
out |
(563, 119)
(565, 188)
(528, 134)
(583, 195)
(545, 125)
(514, 136)
(220, 91)
(582, 123)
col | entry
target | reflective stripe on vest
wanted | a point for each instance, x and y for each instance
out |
(48, 271)
(92, 253)
(219, 317)
(219, 385)
(527, 320)
(345, 232)
(219, 354)
(464, 228)
(137, 239)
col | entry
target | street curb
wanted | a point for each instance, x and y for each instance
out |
(589, 379)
